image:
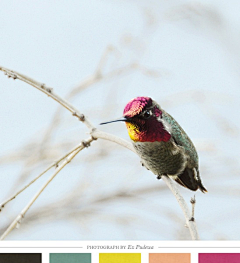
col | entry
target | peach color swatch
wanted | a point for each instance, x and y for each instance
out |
(169, 258)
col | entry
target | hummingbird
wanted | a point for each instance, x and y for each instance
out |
(161, 143)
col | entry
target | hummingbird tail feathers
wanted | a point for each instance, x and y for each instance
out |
(189, 180)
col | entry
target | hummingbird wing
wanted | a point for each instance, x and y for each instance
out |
(190, 180)
(181, 138)
(190, 177)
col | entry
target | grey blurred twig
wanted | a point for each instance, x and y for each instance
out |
(55, 164)
(67, 160)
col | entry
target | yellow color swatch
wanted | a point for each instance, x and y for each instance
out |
(119, 258)
(169, 258)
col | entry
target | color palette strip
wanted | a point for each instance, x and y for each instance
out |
(119, 258)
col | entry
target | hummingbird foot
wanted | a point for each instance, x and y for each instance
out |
(159, 177)
(143, 165)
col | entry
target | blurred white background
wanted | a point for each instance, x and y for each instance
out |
(184, 54)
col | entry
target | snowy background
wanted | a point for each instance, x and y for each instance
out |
(183, 54)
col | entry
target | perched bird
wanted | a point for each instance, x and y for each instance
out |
(161, 143)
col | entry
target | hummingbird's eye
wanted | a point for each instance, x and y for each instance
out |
(147, 114)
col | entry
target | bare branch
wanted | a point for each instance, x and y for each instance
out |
(191, 224)
(55, 164)
(109, 137)
(49, 92)
(193, 202)
(18, 219)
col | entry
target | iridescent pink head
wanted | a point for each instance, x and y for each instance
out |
(143, 121)
(136, 106)
(143, 118)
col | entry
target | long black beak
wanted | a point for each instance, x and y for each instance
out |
(122, 119)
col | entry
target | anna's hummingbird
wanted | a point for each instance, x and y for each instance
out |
(161, 143)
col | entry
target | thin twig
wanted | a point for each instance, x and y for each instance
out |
(49, 92)
(193, 202)
(191, 224)
(18, 219)
(109, 137)
(2, 205)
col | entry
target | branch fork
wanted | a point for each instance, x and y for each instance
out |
(63, 161)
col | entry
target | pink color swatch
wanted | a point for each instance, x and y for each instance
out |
(219, 257)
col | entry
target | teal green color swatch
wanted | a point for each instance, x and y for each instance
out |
(70, 258)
